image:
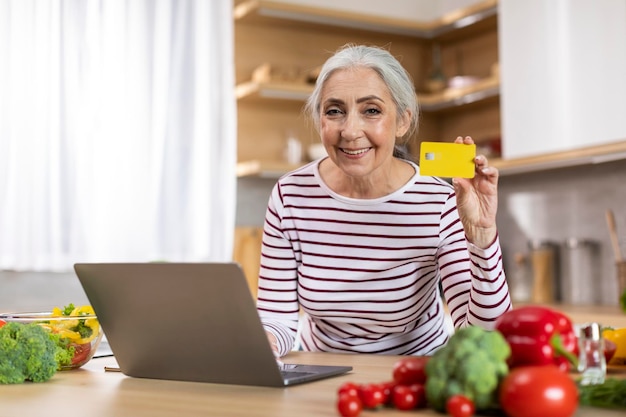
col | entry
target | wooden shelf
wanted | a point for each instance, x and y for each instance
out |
(273, 90)
(276, 12)
(577, 157)
(448, 98)
(456, 97)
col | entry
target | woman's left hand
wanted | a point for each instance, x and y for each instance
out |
(477, 200)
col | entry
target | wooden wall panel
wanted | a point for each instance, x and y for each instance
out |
(470, 56)
(481, 121)
(263, 130)
(296, 49)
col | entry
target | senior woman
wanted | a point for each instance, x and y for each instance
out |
(360, 252)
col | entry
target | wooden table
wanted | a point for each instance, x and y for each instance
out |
(92, 392)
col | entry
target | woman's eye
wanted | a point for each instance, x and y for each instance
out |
(372, 111)
(332, 112)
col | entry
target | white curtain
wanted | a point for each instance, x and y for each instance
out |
(117, 132)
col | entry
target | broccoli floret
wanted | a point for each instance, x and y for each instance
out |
(472, 363)
(27, 353)
(64, 351)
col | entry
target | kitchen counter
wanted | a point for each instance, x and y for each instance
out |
(607, 316)
(92, 392)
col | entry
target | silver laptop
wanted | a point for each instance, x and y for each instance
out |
(187, 322)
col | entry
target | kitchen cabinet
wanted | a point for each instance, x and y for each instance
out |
(278, 46)
(568, 94)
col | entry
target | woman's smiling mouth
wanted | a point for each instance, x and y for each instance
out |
(354, 151)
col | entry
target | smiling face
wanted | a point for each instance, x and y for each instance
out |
(359, 123)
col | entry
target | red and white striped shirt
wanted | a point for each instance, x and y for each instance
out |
(366, 274)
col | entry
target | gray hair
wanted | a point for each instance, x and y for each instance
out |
(393, 74)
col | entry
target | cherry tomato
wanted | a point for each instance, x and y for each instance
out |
(403, 397)
(81, 353)
(349, 405)
(388, 391)
(349, 388)
(460, 406)
(410, 370)
(538, 390)
(2, 323)
(372, 395)
(420, 395)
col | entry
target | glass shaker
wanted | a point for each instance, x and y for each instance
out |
(591, 361)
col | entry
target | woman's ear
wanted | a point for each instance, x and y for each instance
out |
(404, 121)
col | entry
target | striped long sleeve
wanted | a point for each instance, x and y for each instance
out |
(368, 275)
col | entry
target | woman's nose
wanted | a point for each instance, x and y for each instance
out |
(352, 126)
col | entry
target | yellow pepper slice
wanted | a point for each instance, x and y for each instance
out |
(95, 329)
(65, 327)
(87, 310)
(68, 334)
(617, 336)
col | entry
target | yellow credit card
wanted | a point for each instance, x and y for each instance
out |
(445, 159)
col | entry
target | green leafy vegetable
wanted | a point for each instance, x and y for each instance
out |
(64, 352)
(67, 310)
(610, 394)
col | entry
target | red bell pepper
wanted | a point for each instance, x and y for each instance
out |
(539, 335)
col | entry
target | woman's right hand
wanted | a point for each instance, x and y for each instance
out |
(477, 200)
(273, 343)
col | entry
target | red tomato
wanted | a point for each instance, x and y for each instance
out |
(420, 395)
(2, 323)
(388, 391)
(349, 405)
(410, 370)
(538, 390)
(81, 353)
(372, 395)
(403, 397)
(460, 406)
(349, 388)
